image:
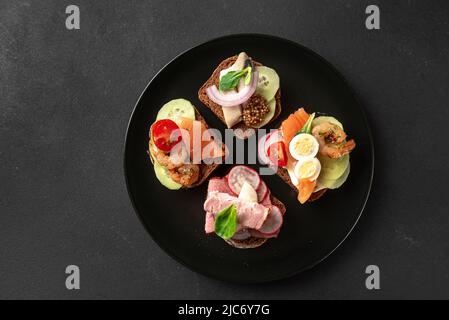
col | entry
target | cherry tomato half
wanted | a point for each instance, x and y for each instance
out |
(277, 154)
(166, 134)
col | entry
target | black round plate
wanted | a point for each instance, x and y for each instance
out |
(311, 232)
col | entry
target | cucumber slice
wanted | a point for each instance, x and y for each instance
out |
(332, 169)
(164, 178)
(269, 115)
(268, 83)
(322, 119)
(176, 108)
(334, 184)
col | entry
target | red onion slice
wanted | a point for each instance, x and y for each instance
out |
(265, 142)
(231, 99)
(273, 137)
(263, 157)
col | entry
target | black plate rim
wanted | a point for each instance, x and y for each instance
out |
(168, 251)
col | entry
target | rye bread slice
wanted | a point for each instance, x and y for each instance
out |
(205, 169)
(254, 242)
(217, 109)
(283, 173)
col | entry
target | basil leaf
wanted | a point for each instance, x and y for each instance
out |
(226, 222)
(231, 79)
(307, 128)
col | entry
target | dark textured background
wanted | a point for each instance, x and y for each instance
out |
(66, 96)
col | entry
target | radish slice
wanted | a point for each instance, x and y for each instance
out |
(239, 174)
(242, 235)
(231, 99)
(257, 234)
(261, 191)
(267, 200)
(273, 222)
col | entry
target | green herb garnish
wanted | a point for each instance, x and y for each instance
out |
(248, 76)
(231, 79)
(226, 222)
(307, 128)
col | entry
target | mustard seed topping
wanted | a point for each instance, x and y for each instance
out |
(255, 110)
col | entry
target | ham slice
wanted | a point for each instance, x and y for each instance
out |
(250, 215)
(209, 226)
(218, 185)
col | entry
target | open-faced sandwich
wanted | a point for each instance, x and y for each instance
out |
(311, 153)
(172, 146)
(241, 210)
(242, 93)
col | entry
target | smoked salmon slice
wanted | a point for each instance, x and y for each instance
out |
(302, 116)
(289, 129)
(305, 188)
(199, 153)
(293, 124)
